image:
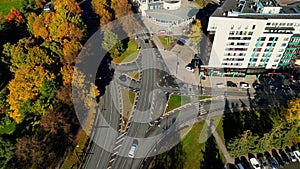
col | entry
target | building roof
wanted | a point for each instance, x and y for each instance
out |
(173, 15)
(258, 9)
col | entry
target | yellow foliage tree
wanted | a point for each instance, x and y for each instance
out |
(292, 112)
(25, 85)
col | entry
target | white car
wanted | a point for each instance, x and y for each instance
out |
(245, 86)
(297, 154)
(220, 85)
(132, 150)
(292, 156)
(254, 163)
(190, 69)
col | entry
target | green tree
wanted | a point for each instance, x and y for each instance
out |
(110, 39)
(7, 152)
(29, 6)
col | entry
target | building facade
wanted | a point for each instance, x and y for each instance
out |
(254, 36)
(169, 13)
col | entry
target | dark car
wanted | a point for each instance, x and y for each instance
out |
(290, 154)
(245, 162)
(146, 41)
(284, 156)
(180, 42)
(262, 161)
(231, 84)
(258, 86)
(278, 158)
(272, 162)
(122, 78)
(295, 87)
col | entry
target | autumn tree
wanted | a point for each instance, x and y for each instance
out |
(292, 112)
(196, 34)
(15, 16)
(71, 49)
(25, 53)
(70, 32)
(25, 86)
(39, 28)
(121, 8)
(103, 9)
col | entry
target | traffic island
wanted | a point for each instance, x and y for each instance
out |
(128, 99)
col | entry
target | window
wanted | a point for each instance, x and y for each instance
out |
(268, 23)
(270, 44)
(253, 27)
(232, 26)
(279, 55)
(257, 50)
(262, 39)
(273, 38)
(282, 24)
(268, 49)
(250, 33)
(276, 60)
(289, 24)
(244, 32)
(281, 50)
(286, 39)
(283, 44)
(231, 33)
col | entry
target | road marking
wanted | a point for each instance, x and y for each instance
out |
(117, 147)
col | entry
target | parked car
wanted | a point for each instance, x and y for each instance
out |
(284, 156)
(258, 86)
(278, 158)
(254, 163)
(245, 162)
(189, 68)
(220, 85)
(245, 85)
(297, 154)
(263, 162)
(122, 78)
(180, 42)
(272, 162)
(132, 150)
(285, 87)
(231, 84)
(290, 154)
(238, 163)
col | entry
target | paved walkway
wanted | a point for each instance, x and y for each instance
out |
(220, 143)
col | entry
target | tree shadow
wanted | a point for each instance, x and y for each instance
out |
(172, 159)
(211, 156)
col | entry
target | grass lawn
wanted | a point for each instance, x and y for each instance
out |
(128, 100)
(204, 97)
(167, 42)
(134, 75)
(192, 148)
(218, 123)
(190, 153)
(5, 5)
(176, 101)
(130, 53)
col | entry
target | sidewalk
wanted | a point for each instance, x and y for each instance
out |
(219, 141)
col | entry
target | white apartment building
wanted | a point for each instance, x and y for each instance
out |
(254, 36)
